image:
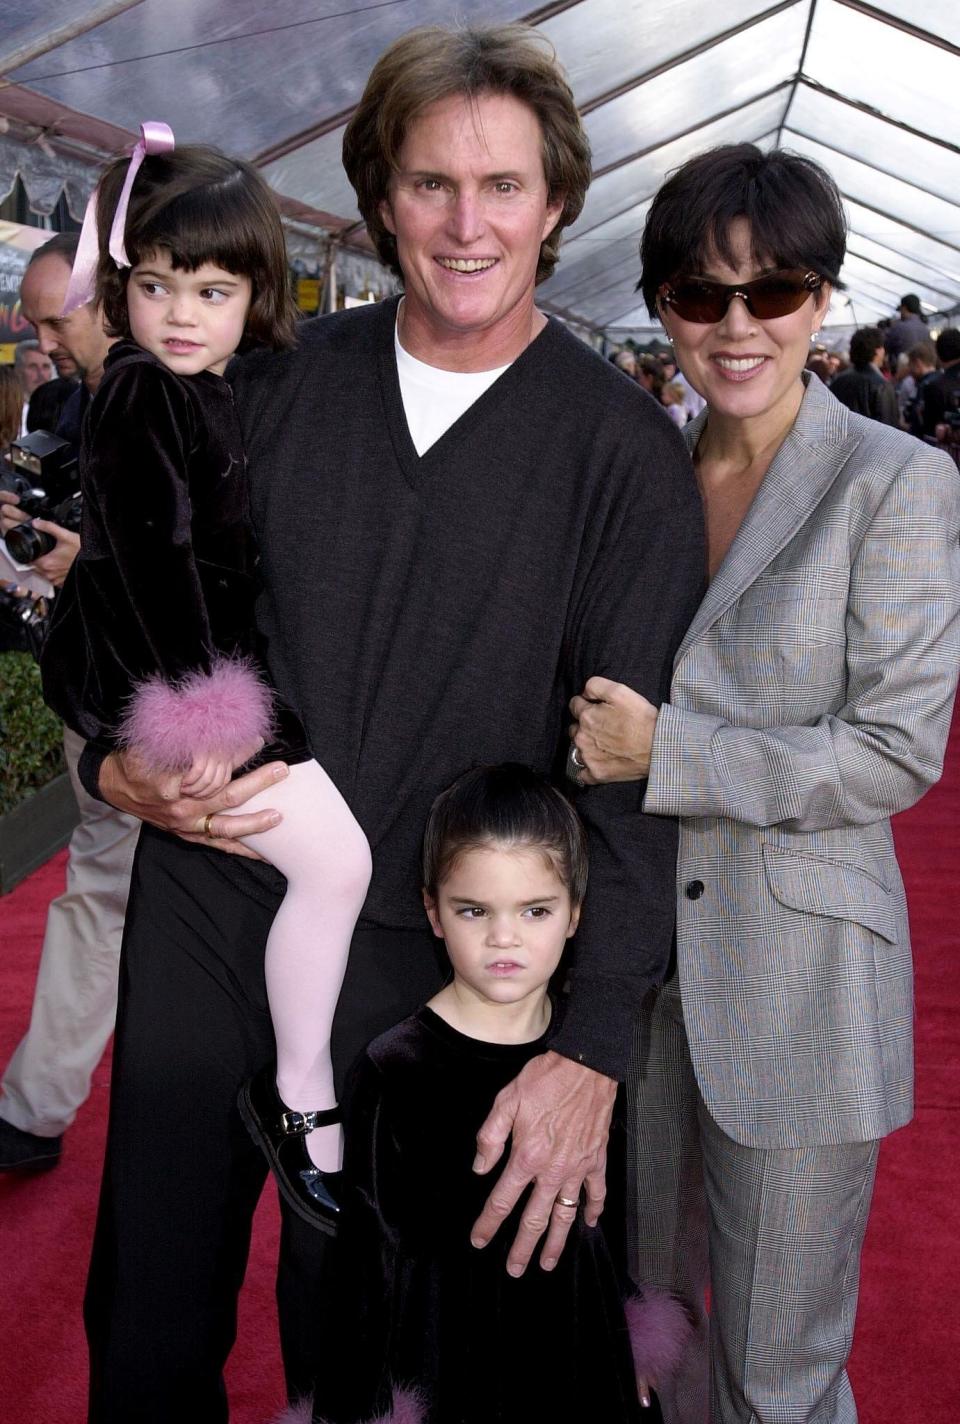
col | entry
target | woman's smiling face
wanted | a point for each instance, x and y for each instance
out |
(742, 366)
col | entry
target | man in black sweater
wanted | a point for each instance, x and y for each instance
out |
(463, 514)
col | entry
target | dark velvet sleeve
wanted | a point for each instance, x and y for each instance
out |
(92, 757)
(635, 604)
(136, 478)
(354, 1379)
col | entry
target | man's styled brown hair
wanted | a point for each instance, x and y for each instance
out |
(199, 206)
(434, 63)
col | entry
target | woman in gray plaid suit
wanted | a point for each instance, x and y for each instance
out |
(811, 700)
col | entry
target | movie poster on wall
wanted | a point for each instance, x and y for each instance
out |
(17, 242)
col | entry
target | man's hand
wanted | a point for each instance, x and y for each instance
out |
(56, 565)
(129, 786)
(9, 513)
(558, 1113)
(613, 732)
(53, 566)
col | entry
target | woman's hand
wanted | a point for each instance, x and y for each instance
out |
(613, 732)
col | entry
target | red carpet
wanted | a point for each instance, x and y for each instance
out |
(903, 1365)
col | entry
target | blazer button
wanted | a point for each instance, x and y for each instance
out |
(695, 889)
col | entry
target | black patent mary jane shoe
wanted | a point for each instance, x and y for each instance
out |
(280, 1133)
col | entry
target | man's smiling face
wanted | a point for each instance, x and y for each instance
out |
(469, 209)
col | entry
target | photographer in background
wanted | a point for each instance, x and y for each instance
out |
(75, 998)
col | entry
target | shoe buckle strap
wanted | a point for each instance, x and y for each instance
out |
(293, 1123)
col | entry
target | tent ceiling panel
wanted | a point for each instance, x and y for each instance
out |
(624, 188)
(869, 97)
(606, 43)
(871, 140)
(223, 84)
(940, 17)
(730, 74)
(883, 67)
(859, 311)
(869, 276)
(315, 174)
(890, 195)
(898, 238)
(634, 318)
(606, 246)
(905, 270)
(602, 290)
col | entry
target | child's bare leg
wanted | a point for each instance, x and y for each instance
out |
(324, 854)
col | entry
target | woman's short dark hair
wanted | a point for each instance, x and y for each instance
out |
(199, 206)
(792, 205)
(433, 63)
(506, 805)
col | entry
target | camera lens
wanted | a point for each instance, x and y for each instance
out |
(26, 544)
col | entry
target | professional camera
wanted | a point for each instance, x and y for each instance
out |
(43, 474)
(25, 617)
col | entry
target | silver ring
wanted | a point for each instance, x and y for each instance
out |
(566, 1201)
(576, 759)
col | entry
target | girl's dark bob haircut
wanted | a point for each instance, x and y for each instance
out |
(792, 205)
(507, 805)
(199, 206)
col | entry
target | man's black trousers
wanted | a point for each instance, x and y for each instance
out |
(182, 1178)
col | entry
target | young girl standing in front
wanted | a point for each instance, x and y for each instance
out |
(423, 1328)
(153, 648)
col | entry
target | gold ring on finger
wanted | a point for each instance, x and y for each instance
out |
(566, 1201)
(206, 823)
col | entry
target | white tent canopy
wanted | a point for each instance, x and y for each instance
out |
(870, 90)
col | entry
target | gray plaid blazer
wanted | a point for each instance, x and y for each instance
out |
(811, 699)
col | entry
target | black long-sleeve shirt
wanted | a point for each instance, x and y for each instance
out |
(427, 614)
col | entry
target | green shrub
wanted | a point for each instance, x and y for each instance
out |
(31, 736)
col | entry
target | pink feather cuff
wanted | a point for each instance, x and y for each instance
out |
(660, 1332)
(407, 1408)
(224, 714)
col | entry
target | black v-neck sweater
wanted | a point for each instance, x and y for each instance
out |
(426, 614)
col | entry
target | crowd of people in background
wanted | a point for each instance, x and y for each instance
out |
(660, 377)
(897, 372)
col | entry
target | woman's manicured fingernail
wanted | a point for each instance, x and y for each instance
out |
(515, 1271)
(479, 1163)
(478, 1241)
(645, 1401)
(548, 1263)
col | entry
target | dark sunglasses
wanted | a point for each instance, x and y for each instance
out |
(776, 294)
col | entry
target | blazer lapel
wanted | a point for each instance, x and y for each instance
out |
(800, 474)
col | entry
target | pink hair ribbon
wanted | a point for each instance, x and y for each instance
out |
(154, 138)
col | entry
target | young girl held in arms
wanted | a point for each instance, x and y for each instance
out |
(422, 1327)
(152, 648)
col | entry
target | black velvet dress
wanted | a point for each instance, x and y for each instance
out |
(413, 1306)
(166, 579)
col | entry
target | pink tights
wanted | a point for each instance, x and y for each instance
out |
(325, 857)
